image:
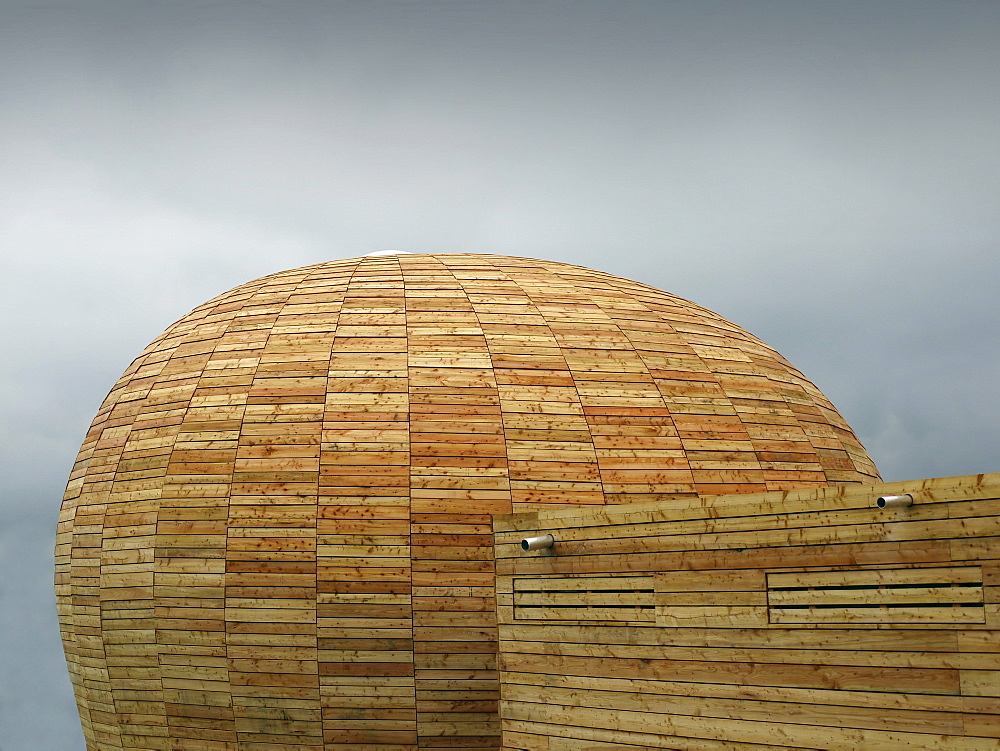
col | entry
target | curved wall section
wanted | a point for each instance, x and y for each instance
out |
(277, 533)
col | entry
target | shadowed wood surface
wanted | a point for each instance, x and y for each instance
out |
(803, 619)
(278, 535)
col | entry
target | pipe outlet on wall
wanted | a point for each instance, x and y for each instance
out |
(894, 501)
(537, 543)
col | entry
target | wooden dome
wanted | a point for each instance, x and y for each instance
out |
(277, 533)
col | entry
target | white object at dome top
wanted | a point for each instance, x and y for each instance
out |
(389, 253)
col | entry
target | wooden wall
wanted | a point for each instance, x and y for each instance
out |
(277, 534)
(804, 619)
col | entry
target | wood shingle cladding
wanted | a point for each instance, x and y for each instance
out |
(277, 533)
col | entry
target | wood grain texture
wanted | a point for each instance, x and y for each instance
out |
(800, 619)
(277, 533)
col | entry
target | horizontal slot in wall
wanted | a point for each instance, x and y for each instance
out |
(604, 598)
(870, 596)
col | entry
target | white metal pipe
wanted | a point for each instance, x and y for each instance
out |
(895, 501)
(537, 543)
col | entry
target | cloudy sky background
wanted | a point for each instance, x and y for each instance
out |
(825, 174)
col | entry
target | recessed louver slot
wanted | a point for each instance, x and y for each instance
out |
(910, 596)
(604, 598)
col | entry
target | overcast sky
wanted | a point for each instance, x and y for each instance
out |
(825, 174)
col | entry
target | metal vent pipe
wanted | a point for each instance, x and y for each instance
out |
(894, 501)
(537, 543)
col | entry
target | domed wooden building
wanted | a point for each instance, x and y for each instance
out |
(277, 533)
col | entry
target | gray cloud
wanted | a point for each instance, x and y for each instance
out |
(824, 174)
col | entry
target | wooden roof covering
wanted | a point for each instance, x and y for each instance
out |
(278, 530)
